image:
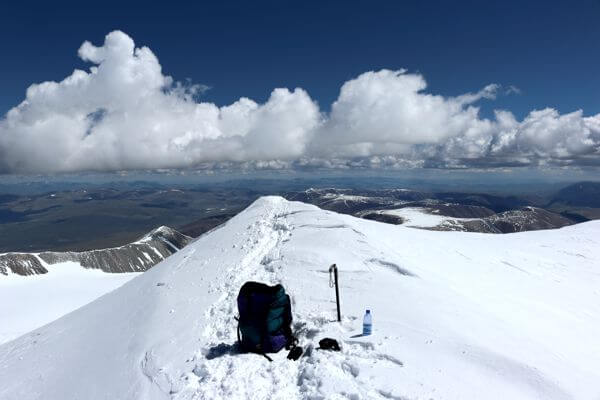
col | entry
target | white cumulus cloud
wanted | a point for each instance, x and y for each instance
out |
(124, 113)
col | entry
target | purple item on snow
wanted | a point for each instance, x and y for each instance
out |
(274, 343)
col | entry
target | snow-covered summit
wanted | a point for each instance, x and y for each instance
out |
(456, 315)
(161, 231)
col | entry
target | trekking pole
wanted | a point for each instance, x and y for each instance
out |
(333, 269)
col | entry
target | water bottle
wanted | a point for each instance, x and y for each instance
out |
(367, 323)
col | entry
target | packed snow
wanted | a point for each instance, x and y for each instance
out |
(455, 316)
(28, 302)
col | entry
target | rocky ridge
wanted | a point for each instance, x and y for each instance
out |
(133, 257)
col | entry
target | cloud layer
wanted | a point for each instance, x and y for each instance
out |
(125, 114)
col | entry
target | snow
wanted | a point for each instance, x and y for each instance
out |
(455, 315)
(28, 302)
(419, 217)
(149, 236)
(168, 243)
(346, 197)
(147, 257)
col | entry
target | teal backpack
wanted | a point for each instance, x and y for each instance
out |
(265, 321)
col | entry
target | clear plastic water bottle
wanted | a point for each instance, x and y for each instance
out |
(367, 323)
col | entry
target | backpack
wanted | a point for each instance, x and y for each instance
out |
(265, 321)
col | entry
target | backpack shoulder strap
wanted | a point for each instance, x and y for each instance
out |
(287, 325)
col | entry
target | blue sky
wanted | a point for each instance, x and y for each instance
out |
(547, 50)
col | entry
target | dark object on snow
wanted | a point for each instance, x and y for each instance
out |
(295, 353)
(265, 322)
(329, 344)
(333, 269)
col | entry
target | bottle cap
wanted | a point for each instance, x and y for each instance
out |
(368, 311)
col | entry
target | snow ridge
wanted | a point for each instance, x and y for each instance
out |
(216, 376)
(456, 316)
(220, 371)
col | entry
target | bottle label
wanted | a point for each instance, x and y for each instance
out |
(367, 329)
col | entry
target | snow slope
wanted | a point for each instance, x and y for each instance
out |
(456, 316)
(28, 302)
(419, 217)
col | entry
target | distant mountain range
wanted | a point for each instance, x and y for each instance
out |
(582, 194)
(77, 218)
(524, 219)
(437, 211)
(133, 257)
